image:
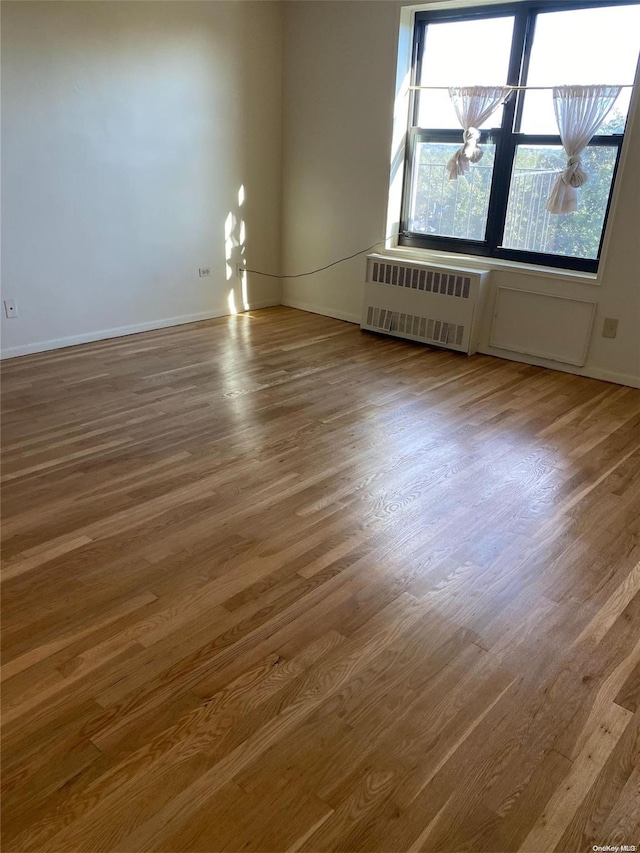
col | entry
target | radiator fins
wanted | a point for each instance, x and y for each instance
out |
(424, 328)
(431, 281)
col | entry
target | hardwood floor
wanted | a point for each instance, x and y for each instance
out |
(273, 584)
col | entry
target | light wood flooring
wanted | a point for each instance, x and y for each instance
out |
(273, 584)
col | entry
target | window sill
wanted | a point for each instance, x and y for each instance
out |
(484, 263)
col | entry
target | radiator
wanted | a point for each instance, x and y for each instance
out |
(436, 305)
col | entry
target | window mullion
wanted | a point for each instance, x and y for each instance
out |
(506, 143)
(527, 44)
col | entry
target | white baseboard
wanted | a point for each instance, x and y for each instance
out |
(122, 331)
(611, 376)
(104, 334)
(589, 372)
(319, 309)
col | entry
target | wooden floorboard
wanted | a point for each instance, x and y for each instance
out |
(274, 584)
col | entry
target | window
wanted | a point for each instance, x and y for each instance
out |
(497, 208)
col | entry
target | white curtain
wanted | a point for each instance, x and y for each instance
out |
(579, 110)
(473, 106)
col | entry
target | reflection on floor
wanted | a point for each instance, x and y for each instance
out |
(275, 584)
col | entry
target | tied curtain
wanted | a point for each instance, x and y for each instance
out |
(580, 110)
(473, 106)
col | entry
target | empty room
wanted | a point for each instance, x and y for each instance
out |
(320, 426)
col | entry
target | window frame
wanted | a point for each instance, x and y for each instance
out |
(506, 138)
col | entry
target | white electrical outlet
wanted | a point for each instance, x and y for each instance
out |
(10, 308)
(240, 269)
(204, 272)
(610, 327)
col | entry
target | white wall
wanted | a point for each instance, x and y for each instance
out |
(339, 80)
(340, 69)
(128, 128)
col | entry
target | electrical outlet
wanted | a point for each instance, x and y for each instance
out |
(240, 269)
(10, 308)
(609, 327)
(204, 272)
